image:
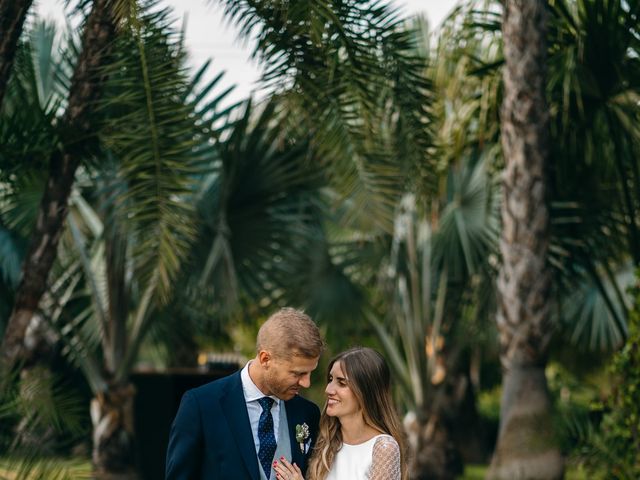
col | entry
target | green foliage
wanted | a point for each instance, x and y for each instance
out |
(593, 86)
(153, 132)
(433, 284)
(27, 138)
(615, 446)
(593, 178)
(31, 103)
(474, 472)
(258, 214)
(42, 468)
(353, 80)
(479, 472)
(573, 397)
(39, 413)
(489, 404)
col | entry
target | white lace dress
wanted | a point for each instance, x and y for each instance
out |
(375, 459)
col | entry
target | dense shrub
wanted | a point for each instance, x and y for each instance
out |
(615, 447)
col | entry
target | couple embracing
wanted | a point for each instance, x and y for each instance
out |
(253, 425)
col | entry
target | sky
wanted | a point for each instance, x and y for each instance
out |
(209, 36)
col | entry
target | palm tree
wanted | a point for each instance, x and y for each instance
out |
(588, 251)
(591, 233)
(593, 76)
(352, 97)
(154, 139)
(367, 167)
(12, 17)
(437, 282)
(146, 220)
(32, 102)
(84, 91)
(344, 69)
(257, 212)
(525, 447)
(254, 187)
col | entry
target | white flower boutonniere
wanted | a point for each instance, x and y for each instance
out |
(302, 435)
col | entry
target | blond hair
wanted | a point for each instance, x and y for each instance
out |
(369, 379)
(290, 332)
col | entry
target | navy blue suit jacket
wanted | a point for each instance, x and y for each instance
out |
(211, 435)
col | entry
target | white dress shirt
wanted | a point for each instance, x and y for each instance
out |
(251, 396)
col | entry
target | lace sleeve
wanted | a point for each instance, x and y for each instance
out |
(385, 464)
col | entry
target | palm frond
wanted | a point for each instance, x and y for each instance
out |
(70, 308)
(257, 208)
(352, 71)
(594, 86)
(594, 317)
(20, 200)
(155, 136)
(47, 51)
(27, 134)
(468, 228)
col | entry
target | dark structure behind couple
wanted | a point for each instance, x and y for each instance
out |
(254, 425)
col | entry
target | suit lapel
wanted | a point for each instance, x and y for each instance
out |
(293, 418)
(235, 409)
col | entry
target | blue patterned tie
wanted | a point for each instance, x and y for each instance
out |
(265, 435)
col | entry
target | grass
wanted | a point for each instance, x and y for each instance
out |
(49, 468)
(474, 472)
(478, 472)
(78, 469)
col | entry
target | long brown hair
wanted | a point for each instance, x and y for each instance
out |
(369, 379)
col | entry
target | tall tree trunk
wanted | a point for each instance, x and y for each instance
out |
(12, 16)
(113, 429)
(85, 90)
(526, 447)
(434, 452)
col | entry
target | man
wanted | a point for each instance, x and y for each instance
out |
(234, 427)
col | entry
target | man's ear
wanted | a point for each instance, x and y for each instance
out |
(263, 357)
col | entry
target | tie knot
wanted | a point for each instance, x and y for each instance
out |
(265, 403)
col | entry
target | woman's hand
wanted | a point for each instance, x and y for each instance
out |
(287, 471)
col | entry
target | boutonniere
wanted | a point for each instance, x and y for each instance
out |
(302, 434)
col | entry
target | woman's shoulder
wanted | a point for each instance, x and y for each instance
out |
(385, 459)
(385, 446)
(385, 442)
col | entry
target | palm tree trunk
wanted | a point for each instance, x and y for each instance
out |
(113, 433)
(12, 16)
(434, 455)
(85, 90)
(526, 448)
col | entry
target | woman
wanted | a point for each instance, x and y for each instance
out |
(360, 434)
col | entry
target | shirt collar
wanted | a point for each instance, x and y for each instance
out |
(251, 392)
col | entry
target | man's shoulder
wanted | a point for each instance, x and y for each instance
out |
(215, 387)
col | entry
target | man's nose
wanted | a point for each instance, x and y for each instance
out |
(305, 380)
